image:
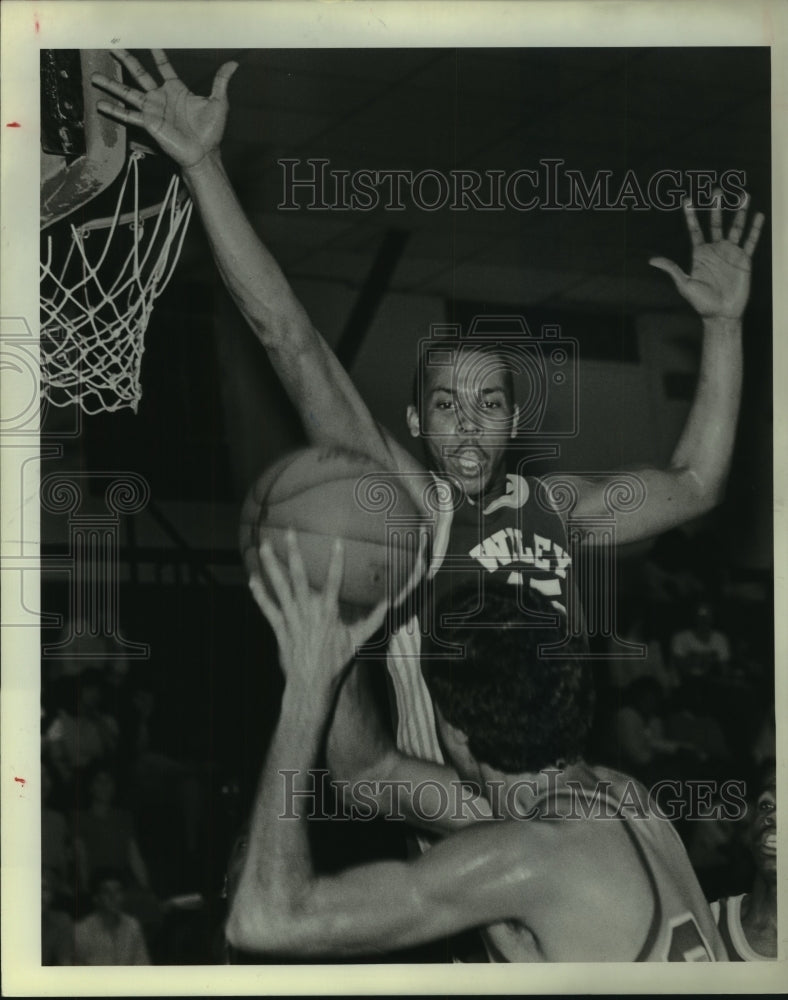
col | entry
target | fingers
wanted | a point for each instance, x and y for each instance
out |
(163, 64)
(696, 233)
(755, 232)
(663, 264)
(267, 606)
(716, 216)
(252, 563)
(120, 114)
(334, 577)
(739, 221)
(133, 97)
(735, 234)
(297, 572)
(222, 78)
(276, 577)
(135, 67)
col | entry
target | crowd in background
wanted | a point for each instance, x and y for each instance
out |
(697, 704)
(121, 820)
(125, 819)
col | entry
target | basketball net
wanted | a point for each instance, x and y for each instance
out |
(94, 313)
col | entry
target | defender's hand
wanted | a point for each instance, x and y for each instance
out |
(185, 126)
(719, 284)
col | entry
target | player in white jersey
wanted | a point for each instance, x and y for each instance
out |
(748, 922)
(572, 865)
(466, 414)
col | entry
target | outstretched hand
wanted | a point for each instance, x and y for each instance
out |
(185, 126)
(719, 283)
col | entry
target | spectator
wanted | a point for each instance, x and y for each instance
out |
(748, 923)
(57, 929)
(56, 848)
(623, 672)
(81, 733)
(691, 725)
(701, 651)
(639, 728)
(167, 791)
(670, 585)
(104, 834)
(109, 935)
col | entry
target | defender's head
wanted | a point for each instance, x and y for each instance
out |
(502, 704)
(463, 409)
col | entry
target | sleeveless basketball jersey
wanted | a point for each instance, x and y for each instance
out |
(514, 539)
(727, 914)
(682, 926)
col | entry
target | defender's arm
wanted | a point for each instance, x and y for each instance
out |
(693, 483)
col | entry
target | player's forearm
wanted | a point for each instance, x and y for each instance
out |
(277, 869)
(330, 407)
(249, 271)
(694, 480)
(706, 444)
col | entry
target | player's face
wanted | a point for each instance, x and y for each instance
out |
(467, 418)
(764, 831)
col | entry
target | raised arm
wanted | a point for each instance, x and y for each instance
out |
(189, 129)
(717, 288)
(362, 755)
(280, 905)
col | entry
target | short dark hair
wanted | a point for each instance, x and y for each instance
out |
(520, 711)
(423, 366)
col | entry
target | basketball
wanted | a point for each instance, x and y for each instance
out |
(329, 493)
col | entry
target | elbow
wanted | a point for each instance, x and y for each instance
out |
(240, 936)
(706, 502)
(265, 919)
(700, 494)
(713, 497)
(711, 491)
(262, 933)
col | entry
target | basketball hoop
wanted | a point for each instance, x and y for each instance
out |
(97, 293)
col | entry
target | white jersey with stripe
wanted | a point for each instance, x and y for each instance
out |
(727, 914)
